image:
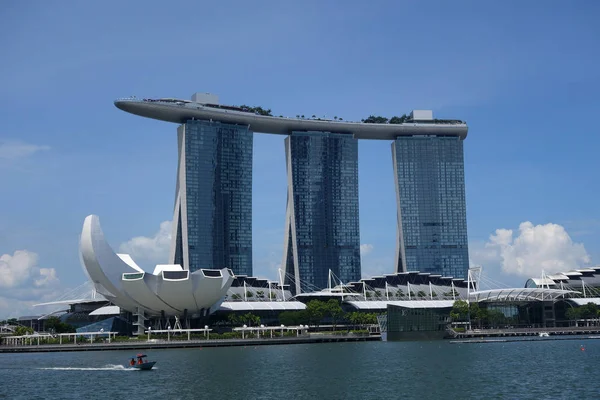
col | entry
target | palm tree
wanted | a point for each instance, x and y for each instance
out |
(314, 116)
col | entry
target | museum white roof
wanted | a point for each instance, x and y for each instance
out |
(107, 310)
(261, 305)
(380, 305)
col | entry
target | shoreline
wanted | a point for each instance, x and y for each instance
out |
(178, 344)
(523, 339)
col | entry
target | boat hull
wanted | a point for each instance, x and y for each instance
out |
(145, 366)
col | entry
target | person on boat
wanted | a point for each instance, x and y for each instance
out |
(140, 361)
(132, 362)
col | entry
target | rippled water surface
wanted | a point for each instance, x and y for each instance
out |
(373, 370)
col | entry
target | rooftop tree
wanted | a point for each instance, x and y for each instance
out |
(373, 119)
(399, 120)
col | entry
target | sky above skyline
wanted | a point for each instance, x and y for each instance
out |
(523, 76)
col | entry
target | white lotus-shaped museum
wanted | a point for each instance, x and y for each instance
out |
(169, 289)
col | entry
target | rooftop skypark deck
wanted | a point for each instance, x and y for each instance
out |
(179, 111)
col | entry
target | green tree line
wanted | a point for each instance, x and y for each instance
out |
(463, 311)
(315, 313)
(588, 311)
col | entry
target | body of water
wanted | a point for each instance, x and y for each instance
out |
(365, 370)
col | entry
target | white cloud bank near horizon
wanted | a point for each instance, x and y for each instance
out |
(531, 250)
(523, 253)
(23, 283)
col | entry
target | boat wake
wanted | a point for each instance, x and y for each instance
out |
(109, 367)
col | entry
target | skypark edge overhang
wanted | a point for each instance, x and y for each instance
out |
(179, 111)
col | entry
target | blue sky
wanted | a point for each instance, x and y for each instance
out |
(524, 77)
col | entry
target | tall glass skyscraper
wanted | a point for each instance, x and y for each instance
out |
(432, 216)
(322, 225)
(212, 224)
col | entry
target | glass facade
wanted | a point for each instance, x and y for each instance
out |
(432, 216)
(412, 323)
(322, 224)
(214, 222)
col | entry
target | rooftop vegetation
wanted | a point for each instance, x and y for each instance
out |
(372, 119)
(257, 110)
(377, 119)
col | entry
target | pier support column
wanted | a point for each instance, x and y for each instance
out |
(140, 322)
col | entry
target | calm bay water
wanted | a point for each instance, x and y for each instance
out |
(373, 370)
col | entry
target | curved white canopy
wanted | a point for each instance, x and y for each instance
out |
(518, 294)
(583, 301)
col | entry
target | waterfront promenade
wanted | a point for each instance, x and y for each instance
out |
(508, 332)
(137, 344)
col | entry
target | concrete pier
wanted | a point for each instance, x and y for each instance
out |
(176, 344)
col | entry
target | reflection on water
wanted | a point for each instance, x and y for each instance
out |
(369, 370)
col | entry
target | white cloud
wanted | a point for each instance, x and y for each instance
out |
(23, 283)
(154, 249)
(18, 150)
(20, 269)
(531, 250)
(365, 249)
(17, 268)
(46, 278)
